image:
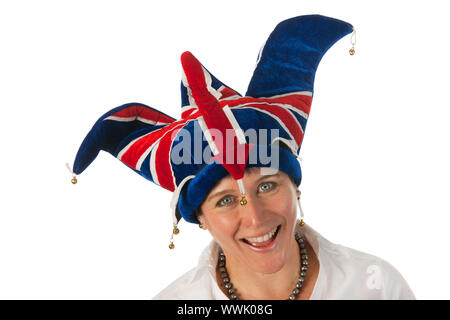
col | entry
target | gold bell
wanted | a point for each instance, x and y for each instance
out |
(174, 231)
(243, 201)
(301, 223)
(353, 42)
(74, 177)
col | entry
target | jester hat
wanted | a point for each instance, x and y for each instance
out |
(215, 119)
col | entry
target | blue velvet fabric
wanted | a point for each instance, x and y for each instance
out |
(111, 136)
(292, 53)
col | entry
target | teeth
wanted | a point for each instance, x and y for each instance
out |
(263, 238)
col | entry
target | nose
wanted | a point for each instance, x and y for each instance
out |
(253, 213)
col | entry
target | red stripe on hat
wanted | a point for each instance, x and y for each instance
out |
(187, 113)
(140, 146)
(227, 92)
(298, 101)
(162, 165)
(210, 108)
(143, 112)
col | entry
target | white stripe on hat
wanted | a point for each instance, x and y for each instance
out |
(187, 108)
(149, 149)
(176, 197)
(208, 136)
(289, 143)
(208, 81)
(278, 120)
(235, 97)
(240, 183)
(125, 149)
(237, 129)
(170, 162)
(129, 119)
(302, 93)
(152, 164)
(188, 88)
(282, 105)
(259, 55)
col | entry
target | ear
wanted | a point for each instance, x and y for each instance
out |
(202, 224)
(200, 218)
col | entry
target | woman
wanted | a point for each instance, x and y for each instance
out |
(260, 269)
(231, 163)
(258, 238)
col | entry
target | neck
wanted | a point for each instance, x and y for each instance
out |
(259, 286)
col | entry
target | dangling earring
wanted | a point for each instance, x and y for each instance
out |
(301, 223)
(174, 231)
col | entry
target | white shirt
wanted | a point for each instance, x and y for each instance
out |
(344, 274)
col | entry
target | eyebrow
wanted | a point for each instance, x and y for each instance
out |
(219, 193)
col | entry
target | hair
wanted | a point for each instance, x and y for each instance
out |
(198, 212)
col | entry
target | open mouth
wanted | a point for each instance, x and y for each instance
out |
(264, 240)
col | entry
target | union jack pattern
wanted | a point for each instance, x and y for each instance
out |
(279, 96)
(289, 110)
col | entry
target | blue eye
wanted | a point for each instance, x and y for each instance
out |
(225, 201)
(266, 186)
(229, 200)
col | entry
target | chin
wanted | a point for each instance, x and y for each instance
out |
(269, 267)
(268, 263)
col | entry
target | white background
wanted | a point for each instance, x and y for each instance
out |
(375, 156)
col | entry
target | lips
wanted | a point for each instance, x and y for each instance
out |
(263, 240)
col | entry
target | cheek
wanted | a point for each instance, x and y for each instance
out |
(222, 226)
(287, 206)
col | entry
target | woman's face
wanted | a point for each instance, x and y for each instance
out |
(258, 235)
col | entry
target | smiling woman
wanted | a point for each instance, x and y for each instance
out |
(257, 238)
(255, 254)
(231, 163)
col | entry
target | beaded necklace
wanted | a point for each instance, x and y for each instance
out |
(303, 268)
